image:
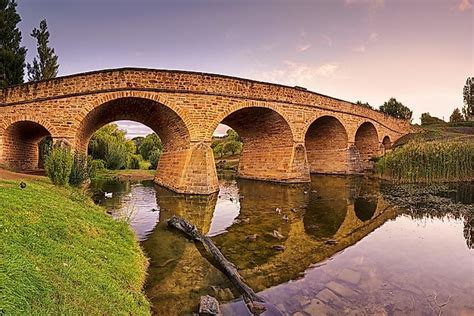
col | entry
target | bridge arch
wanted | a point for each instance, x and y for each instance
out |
(162, 119)
(269, 151)
(387, 143)
(367, 144)
(19, 143)
(326, 143)
(176, 167)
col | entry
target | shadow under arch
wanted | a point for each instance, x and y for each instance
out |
(326, 143)
(269, 152)
(367, 144)
(387, 144)
(20, 145)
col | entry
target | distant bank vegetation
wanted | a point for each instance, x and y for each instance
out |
(441, 153)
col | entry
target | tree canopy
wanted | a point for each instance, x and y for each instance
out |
(427, 119)
(12, 55)
(45, 65)
(396, 109)
(468, 98)
(456, 116)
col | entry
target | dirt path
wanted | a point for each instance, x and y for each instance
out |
(9, 175)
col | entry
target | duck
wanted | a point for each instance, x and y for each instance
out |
(108, 195)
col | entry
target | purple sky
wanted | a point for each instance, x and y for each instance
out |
(419, 51)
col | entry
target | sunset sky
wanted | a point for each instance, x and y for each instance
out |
(418, 51)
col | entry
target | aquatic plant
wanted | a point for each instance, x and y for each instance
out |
(427, 162)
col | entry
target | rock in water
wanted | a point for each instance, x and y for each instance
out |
(209, 306)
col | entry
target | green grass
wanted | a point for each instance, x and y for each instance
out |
(61, 254)
(447, 132)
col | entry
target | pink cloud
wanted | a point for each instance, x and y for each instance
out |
(465, 5)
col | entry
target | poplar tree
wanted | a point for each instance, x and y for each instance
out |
(45, 65)
(12, 55)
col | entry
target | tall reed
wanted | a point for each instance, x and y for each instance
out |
(427, 162)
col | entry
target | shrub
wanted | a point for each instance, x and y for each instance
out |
(154, 158)
(134, 162)
(79, 172)
(58, 165)
(94, 166)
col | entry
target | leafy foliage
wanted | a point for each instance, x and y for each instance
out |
(46, 65)
(149, 144)
(94, 166)
(232, 146)
(427, 119)
(456, 116)
(468, 97)
(110, 145)
(426, 162)
(134, 162)
(12, 55)
(154, 157)
(396, 109)
(231, 143)
(58, 165)
(79, 171)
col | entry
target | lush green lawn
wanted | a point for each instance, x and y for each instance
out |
(61, 254)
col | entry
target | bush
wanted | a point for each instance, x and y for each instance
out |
(134, 162)
(79, 172)
(154, 158)
(58, 165)
(94, 166)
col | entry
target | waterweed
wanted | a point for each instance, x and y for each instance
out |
(427, 162)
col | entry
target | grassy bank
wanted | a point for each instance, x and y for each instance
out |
(61, 254)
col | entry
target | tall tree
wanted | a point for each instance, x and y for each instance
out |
(45, 65)
(396, 109)
(468, 97)
(12, 55)
(456, 116)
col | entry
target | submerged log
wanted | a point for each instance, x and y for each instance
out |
(252, 300)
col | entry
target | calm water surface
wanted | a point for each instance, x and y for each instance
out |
(346, 251)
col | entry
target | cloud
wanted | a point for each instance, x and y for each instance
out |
(360, 49)
(328, 40)
(373, 5)
(374, 36)
(303, 47)
(296, 73)
(465, 5)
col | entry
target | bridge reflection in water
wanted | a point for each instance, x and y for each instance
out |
(313, 222)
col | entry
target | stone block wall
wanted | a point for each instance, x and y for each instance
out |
(282, 142)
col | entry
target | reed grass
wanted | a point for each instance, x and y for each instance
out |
(428, 162)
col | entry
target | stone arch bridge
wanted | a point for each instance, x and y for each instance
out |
(287, 132)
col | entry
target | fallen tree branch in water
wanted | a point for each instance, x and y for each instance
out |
(252, 300)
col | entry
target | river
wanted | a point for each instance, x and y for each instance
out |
(341, 248)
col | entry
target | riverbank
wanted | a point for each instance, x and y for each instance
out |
(435, 199)
(61, 254)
